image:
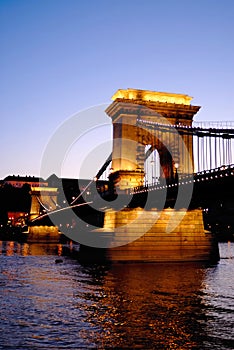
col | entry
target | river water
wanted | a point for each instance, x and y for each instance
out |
(52, 301)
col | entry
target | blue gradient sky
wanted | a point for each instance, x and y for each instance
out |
(59, 57)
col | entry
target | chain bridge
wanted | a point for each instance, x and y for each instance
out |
(161, 160)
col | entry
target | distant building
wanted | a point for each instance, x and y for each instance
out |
(72, 188)
(19, 181)
(17, 203)
(17, 218)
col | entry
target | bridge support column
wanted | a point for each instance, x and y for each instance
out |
(135, 234)
(40, 196)
(130, 139)
(140, 235)
(43, 199)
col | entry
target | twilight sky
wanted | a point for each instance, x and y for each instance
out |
(59, 57)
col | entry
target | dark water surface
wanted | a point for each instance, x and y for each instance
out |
(67, 305)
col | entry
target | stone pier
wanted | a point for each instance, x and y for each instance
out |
(166, 236)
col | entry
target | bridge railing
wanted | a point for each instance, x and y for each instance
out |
(214, 124)
(212, 174)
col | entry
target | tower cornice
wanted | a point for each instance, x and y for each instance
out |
(122, 106)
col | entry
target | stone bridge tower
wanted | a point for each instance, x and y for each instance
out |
(129, 110)
(40, 196)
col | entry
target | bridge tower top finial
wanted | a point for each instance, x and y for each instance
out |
(153, 96)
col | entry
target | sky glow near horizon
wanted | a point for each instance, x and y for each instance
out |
(61, 57)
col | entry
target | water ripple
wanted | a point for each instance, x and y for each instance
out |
(45, 305)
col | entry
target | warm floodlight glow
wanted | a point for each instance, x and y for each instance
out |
(153, 96)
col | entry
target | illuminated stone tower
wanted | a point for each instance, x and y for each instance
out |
(130, 139)
(42, 196)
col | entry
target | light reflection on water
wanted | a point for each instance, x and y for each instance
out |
(49, 305)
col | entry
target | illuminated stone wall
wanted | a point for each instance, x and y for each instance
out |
(130, 138)
(187, 241)
(46, 196)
